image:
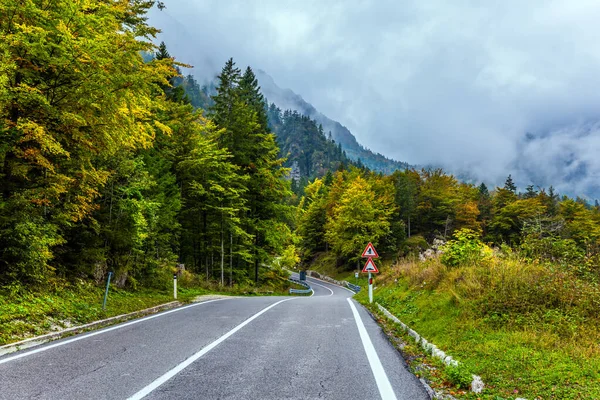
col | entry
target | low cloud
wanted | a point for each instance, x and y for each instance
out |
(487, 89)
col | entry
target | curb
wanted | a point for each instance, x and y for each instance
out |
(477, 384)
(35, 341)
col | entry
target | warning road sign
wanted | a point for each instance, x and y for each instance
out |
(370, 251)
(370, 266)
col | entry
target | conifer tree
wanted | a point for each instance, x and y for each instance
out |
(249, 92)
(510, 185)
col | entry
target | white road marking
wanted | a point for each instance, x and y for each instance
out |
(331, 294)
(77, 338)
(383, 383)
(170, 374)
(341, 287)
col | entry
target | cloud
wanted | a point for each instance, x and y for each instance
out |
(459, 85)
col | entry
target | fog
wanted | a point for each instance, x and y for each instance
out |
(485, 89)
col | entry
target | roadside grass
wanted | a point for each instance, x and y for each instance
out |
(528, 330)
(62, 304)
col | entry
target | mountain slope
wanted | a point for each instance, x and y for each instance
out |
(304, 144)
(286, 99)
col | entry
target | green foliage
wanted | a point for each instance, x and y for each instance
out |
(106, 166)
(72, 92)
(524, 327)
(359, 216)
(302, 141)
(466, 248)
(412, 246)
(459, 375)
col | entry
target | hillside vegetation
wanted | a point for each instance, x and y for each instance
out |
(513, 293)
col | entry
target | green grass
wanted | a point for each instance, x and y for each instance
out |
(514, 360)
(25, 313)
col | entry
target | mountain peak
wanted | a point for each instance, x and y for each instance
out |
(286, 99)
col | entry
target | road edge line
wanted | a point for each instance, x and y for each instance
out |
(386, 391)
(95, 333)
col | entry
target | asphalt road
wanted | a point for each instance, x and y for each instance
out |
(324, 346)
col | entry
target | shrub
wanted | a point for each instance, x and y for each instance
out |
(459, 375)
(465, 248)
(412, 246)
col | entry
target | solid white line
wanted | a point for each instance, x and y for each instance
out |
(77, 338)
(341, 287)
(331, 294)
(162, 379)
(383, 383)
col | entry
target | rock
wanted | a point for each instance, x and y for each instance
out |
(428, 388)
(439, 354)
(414, 335)
(477, 384)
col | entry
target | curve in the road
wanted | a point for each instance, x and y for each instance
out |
(324, 346)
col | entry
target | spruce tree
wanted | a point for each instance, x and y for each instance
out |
(483, 190)
(510, 185)
(249, 92)
(227, 94)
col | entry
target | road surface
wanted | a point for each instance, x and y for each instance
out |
(321, 347)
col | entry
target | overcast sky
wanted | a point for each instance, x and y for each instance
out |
(491, 88)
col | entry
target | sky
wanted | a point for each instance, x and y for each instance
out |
(484, 89)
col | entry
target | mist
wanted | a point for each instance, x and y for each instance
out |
(483, 90)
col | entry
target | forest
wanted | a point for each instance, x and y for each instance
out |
(110, 163)
(404, 212)
(106, 165)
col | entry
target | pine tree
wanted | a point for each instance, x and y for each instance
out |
(227, 94)
(162, 53)
(249, 92)
(510, 185)
(255, 151)
(530, 192)
(483, 190)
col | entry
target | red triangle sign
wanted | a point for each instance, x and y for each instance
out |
(370, 251)
(370, 266)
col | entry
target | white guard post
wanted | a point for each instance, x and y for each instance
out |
(175, 286)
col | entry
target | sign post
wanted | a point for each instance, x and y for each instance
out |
(370, 253)
(370, 288)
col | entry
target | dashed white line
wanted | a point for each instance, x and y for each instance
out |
(171, 373)
(383, 383)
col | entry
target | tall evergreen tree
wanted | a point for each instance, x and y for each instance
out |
(227, 94)
(510, 185)
(249, 92)
(237, 108)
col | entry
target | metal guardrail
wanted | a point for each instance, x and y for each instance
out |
(301, 283)
(353, 287)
